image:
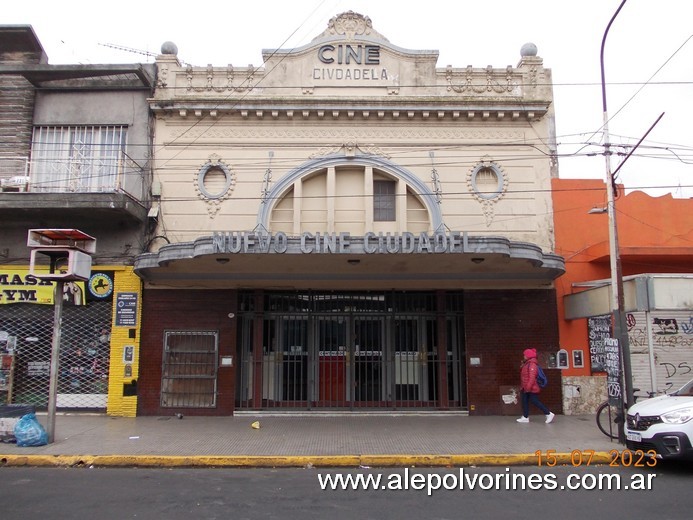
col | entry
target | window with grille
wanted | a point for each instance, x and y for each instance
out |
(189, 370)
(77, 158)
(384, 201)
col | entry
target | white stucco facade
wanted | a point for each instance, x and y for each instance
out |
(299, 144)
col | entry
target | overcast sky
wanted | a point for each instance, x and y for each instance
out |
(648, 57)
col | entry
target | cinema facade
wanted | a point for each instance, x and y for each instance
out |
(348, 228)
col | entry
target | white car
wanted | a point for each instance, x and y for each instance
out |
(663, 424)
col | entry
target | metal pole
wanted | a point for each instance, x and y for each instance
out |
(55, 359)
(617, 297)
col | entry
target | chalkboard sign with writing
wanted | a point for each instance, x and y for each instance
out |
(599, 329)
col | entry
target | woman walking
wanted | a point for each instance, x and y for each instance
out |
(530, 388)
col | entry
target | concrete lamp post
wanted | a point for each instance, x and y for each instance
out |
(620, 328)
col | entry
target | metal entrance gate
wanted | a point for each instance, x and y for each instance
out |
(84, 354)
(350, 351)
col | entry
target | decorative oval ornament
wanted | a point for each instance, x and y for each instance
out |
(214, 183)
(488, 183)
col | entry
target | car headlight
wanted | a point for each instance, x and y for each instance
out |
(681, 416)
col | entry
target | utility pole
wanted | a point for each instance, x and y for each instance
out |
(620, 327)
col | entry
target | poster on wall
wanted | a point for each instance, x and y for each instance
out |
(599, 330)
(613, 371)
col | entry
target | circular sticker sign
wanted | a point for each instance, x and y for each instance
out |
(100, 285)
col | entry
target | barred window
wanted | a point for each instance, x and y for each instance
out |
(384, 201)
(77, 158)
(189, 370)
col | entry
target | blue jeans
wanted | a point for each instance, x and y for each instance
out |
(528, 397)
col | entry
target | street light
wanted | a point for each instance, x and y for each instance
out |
(617, 297)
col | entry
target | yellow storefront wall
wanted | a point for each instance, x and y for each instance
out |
(18, 286)
(125, 347)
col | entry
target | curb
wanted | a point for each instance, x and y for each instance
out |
(307, 461)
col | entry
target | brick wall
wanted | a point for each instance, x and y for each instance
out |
(499, 325)
(164, 310)
(18, 96)
(16, 116)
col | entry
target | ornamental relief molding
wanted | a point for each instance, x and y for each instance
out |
(494, 82)
(349, 149)
(489, 190)
(213, 200)
(204, 81)
(350, 24)
(187, 135)
(534, 75)
(162, 76)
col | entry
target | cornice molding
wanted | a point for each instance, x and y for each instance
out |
(318, 134)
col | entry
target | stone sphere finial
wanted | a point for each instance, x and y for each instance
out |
(169, 48)
(528, 49)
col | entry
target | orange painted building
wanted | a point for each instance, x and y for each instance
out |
(655, 236)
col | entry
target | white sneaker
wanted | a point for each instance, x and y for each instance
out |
(550, 417)
(523, 419)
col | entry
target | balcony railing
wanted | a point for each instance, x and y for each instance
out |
(18, 174)
(80, 190)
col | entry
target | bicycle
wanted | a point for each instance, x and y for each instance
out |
(609, 416)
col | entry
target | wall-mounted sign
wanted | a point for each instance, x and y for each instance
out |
(128, 354)
(38, 368)
(562, 360)
(350, 54)
(20, 286)
(126, 309)
(345, 62)
(342, 243)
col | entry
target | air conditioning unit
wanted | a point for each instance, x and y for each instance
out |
(16, 183)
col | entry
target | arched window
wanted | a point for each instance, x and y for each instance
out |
(354, 195)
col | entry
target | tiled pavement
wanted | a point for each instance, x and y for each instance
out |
(301, 439)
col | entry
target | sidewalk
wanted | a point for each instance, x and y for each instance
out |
(310, 440)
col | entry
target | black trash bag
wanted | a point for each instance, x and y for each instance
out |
(29, 432)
